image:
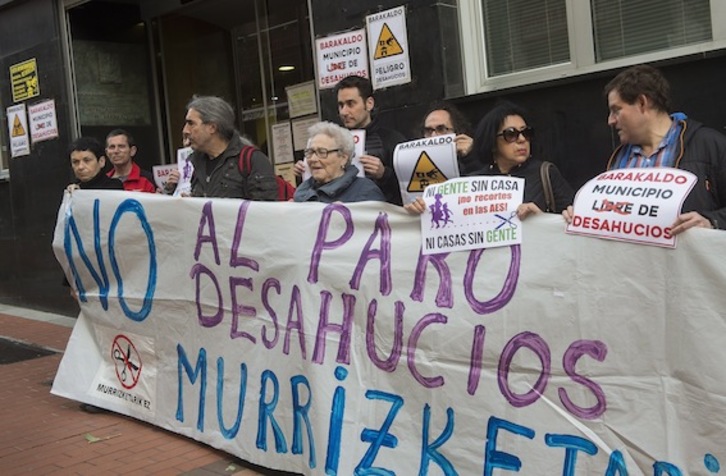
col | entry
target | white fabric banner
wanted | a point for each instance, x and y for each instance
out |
(317, 339)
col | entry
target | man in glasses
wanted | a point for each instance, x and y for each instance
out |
(650, 135)
(444, 118)
(355, 108)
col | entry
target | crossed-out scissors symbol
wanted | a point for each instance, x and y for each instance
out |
(126, 360)
(506, 220)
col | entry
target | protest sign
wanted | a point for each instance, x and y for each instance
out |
(18, 130)
(471, 213)
(43, 121)
(388, 48)
(341, 55)
(422, 162)
(635, 205)
(161, 173)
(324, 342)
(186, 171)
(359, 141)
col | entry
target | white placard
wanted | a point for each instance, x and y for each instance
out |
(470, 213)
(635, 205)
(18, 130)
(341, 55)
(388, 48)
(186, 171)
(282, 143)
(161, 173)
(359, 141)
(43, 121)
(423, 162)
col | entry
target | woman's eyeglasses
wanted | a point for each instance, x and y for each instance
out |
(321, 152)
(510, 134)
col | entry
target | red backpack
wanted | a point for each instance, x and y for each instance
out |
(285, 190)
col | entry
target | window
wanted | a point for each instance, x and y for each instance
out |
(509, 43)
(246, 51)
(524, 34)
(625, 28)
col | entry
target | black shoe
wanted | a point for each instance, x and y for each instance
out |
(92, 408)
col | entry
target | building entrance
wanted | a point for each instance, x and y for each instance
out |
(137, 64)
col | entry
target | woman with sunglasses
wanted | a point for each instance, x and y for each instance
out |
(504, 143)
(333, 177)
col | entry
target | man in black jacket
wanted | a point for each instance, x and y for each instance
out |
(639, 104)
(355, 105)
(209, 130)
(639, 110)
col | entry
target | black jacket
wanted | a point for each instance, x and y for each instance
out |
(703, 153)
(381, 142)
(221, 177)
(101, 182)
(533, 190)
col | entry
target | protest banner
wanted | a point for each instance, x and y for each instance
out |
(635, 205)
(470, 213)
(323, 342)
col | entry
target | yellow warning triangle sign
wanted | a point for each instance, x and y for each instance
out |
(425, 173)
(387, 44)
(18, 130)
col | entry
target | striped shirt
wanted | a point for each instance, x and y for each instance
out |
(664, 155)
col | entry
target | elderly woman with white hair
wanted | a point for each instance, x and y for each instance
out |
(333, 177)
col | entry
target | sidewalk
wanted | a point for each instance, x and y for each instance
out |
(44, 434)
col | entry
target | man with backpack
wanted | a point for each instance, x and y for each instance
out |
(225, 164)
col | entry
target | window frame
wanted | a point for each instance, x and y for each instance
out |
(582, 49)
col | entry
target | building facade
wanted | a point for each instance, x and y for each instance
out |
(134, 65)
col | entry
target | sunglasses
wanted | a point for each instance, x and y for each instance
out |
(510, 134)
